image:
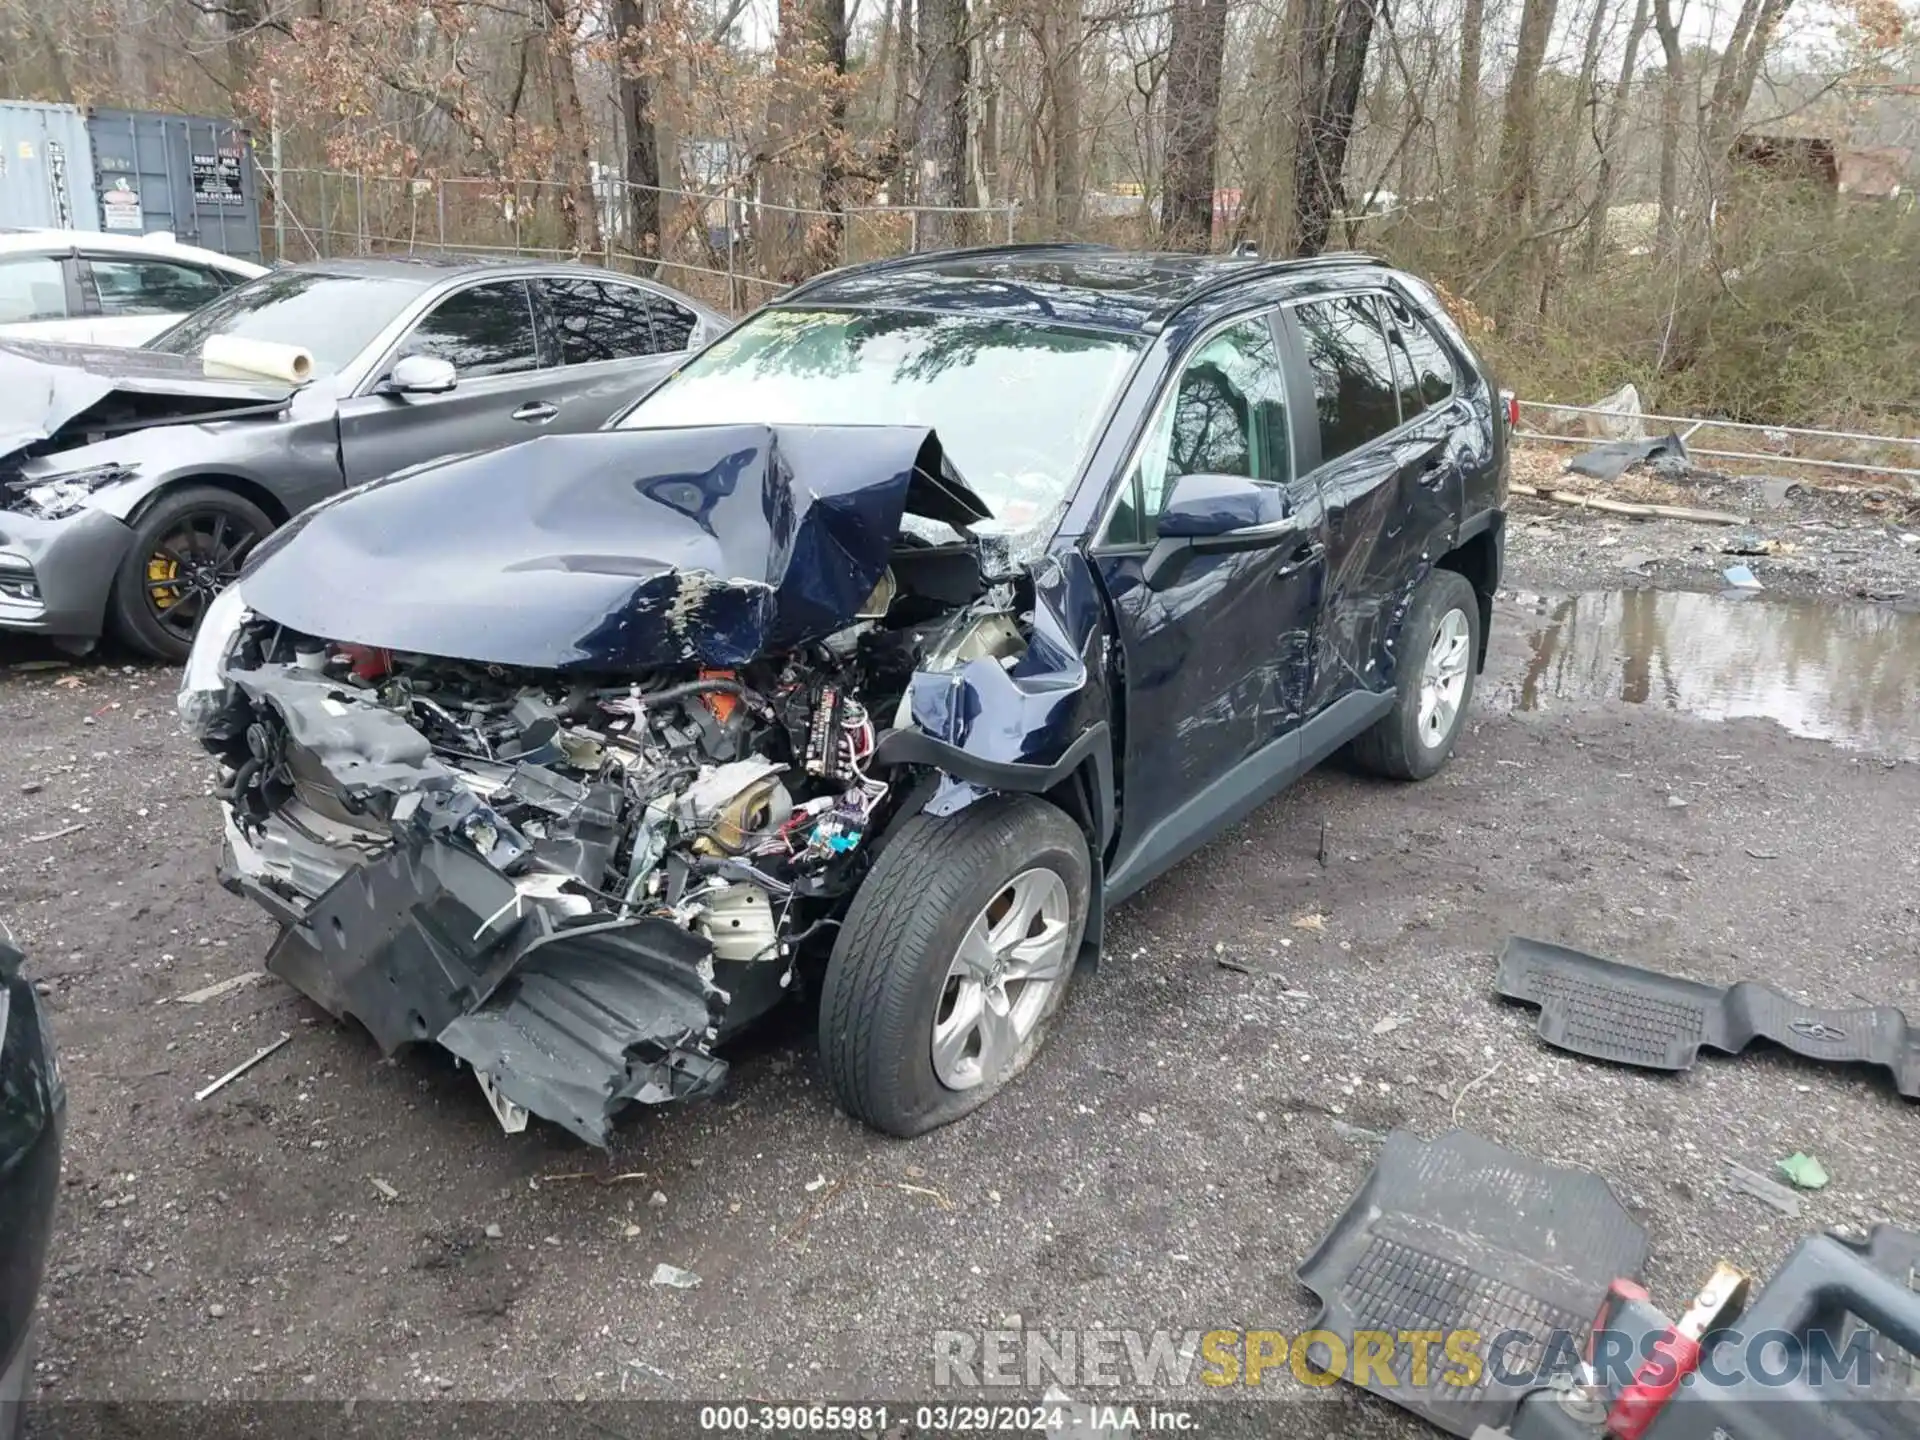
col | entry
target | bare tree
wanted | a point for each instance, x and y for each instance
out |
(1191, 121)
(1608, 141)
(1330, 90)
(1520, 125)
(940, 142)
(641, 157)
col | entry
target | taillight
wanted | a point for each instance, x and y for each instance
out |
(1512, 402)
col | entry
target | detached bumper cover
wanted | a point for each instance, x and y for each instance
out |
(1606, 1010)
(570, 1023)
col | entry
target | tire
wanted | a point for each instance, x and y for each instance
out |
(188, 545)
(888, 984)
(1405, 744)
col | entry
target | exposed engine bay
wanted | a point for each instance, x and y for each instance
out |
(520, 863)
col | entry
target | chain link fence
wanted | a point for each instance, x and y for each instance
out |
(730, 250)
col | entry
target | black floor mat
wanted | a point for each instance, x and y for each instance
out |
(1610, 1011)
(1462, 1235)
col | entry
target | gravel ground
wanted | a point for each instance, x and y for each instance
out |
(1166, 1162)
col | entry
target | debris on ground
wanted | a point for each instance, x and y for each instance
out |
(1666, 457)
(219, 988)
(1312, 920)
(384, 1190)
(818, 1182)
(674, 1277)
(1741, 578)
(1750, 1182)
(59, 834)
(1804, 1171)
(1387, 1026)
(493, 1232)
(242, 1068)
(1357, 1132)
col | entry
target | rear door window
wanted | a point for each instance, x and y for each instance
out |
(1354, 389)
(1422, 352)
(152, 287)
(484, 330)
(605, 320)
(32, 288)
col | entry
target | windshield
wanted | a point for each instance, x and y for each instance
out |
(334, 317)
(1014, 403)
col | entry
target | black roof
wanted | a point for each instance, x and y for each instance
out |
(1092, 285)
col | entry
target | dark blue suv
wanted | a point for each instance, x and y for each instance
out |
(933, 609)
(32, 1101)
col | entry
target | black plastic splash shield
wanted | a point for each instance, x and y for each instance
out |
(1607, 1010)
(1459, 1234)
(428, 943)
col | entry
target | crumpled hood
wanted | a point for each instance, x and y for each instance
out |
(48, 389)
(616, 550)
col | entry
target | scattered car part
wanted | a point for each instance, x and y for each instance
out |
(32, 1110)
(1607, 1010)
(1665, 457)
(1699, 1378)
(1771, 1192)
(1460, 1234)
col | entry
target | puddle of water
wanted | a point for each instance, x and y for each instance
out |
(1845, 673)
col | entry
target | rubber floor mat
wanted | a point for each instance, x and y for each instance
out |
(1482, 1245)
(1611, 1011)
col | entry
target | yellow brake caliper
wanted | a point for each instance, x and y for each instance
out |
(161, 568)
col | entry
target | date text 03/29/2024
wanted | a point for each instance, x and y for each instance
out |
(1046, 1418)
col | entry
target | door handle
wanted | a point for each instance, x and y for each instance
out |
(536, 412)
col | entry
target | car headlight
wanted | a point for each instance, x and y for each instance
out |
(203, 684)
(58, 496)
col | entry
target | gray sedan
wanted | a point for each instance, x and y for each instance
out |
(133, 483)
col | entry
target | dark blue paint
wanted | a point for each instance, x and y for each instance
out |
(1204, 506)
(617, 550)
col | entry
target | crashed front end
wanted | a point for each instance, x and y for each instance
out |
(580, 862)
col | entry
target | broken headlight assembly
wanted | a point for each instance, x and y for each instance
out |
(203, 683)
(55, 497)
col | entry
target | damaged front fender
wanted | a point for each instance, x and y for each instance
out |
(568, 1022)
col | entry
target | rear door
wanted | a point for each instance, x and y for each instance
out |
(501, 394)
(614, 341)
(1218, 658)
(39, 299)
(1366, 464)
(132, 298)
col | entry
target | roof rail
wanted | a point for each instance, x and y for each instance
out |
(1254, 269)
(919, 257)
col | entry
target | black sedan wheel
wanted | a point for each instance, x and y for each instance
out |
(186, 549)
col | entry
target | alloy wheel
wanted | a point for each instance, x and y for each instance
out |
(996, 992)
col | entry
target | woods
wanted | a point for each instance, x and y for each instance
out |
(1570, 170)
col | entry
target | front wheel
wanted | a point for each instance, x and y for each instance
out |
(1439, 654)
(955, 954)
(186, 549)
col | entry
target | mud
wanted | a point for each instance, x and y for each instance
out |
(1166, 1162)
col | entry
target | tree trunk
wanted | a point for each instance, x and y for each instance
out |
(940, 141)
(1466, 107)
(641, 162)
(1194, 57)
(1327, 119)
(906, 76)
(1604, 180)
(1520, 125)
(579, 216)
(1061, 47)
(831, 23)
(1666, 245)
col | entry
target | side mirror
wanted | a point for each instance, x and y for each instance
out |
(1216, 514)
(1208, 507)
(421, 375)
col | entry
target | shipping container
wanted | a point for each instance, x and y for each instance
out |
(185, 174)
(46, 168)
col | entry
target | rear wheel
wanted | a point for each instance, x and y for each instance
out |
(955, 954)
(186, 549)
(1439, 653)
